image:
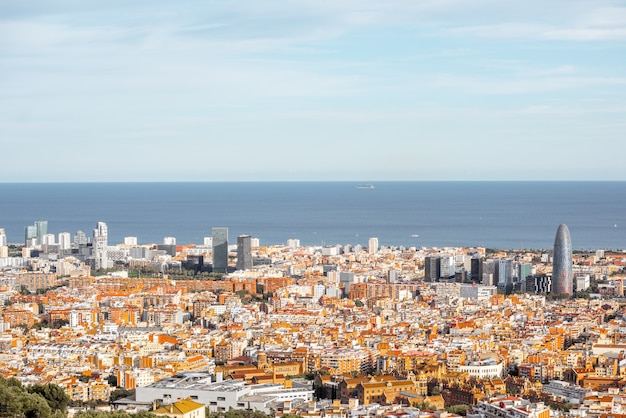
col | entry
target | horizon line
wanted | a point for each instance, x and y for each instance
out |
(309, 181)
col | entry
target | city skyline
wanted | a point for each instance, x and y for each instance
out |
(315, 91)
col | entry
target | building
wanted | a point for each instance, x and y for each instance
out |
(4, 250)
(346, 279)
(509, 407)
(476, 269)
(524, 270)
(186, 408)
(372, 245)
(432, 268)
(446, 267)
(483, 369)
(566, 392)
(562, 267)
(30, 235)
(65, 241)
(582, 282)
(222, 395)
(220, 249)
(477, 292)
(244, 252)
(80, 238)
(100, 244)
(42, 229)
(502, 273)
(48, 239)
(538, 283)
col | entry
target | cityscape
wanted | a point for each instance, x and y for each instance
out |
(315, 331)
(312, 209)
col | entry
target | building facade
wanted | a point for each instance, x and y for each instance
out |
(244, 252)
(220, 249)
(562, 267)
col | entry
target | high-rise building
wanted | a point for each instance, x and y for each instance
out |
(42, 229)
(100, 244)
(446, 266)
(488, 269)
(244, 252)
(432, 268)
(220, 249)
(65, 240)
(562, 269)
(30, 235)
(4, 250)
(503, 276)
(372, 245)
(524, 270)
(80, 238)
(476, 269)
(48, 239)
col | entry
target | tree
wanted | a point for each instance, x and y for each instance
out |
(112, 380)
(458, 409)
(121, 393)
(35, 406)
(53, 394)
(423, 406)
(16, 401)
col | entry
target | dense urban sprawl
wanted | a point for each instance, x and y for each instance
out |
(317, 331)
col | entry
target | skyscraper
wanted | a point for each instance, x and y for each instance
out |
(100, 244)
(220, 250)
(65, 240)
(432, 268)
(42, 229)
(244, 252)
(562, 271)
(372, 245)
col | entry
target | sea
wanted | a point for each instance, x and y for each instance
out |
(499, 215)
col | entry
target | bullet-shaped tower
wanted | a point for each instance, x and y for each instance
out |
(562, 272)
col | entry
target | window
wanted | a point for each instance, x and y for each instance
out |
(194, 397)
(221, 398)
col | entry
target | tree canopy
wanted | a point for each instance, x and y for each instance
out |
(38, 401)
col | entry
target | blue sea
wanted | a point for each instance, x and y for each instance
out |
(506, 215)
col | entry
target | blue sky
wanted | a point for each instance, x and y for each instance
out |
(368, 90)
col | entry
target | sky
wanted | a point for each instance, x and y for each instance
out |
(312, 90)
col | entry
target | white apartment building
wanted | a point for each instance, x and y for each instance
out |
(483, 369)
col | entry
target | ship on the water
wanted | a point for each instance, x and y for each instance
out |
(364, 186)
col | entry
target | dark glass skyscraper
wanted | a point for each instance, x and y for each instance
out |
(562, 271)
(220, 250)
(244, 252)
